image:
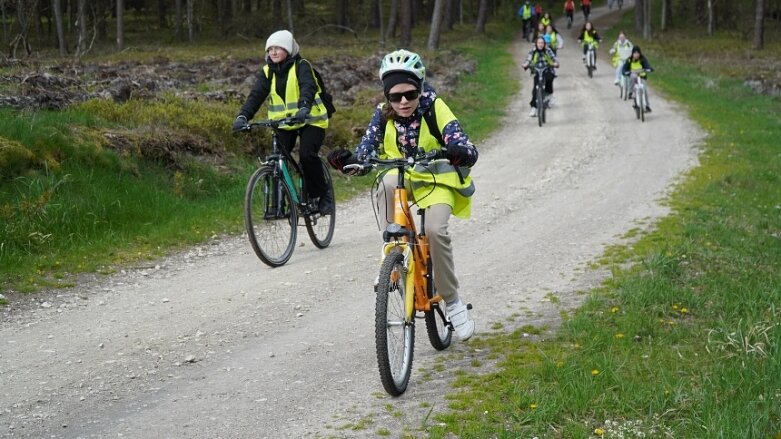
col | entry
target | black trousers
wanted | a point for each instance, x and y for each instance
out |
(311, 139)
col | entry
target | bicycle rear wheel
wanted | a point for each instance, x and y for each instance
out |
(321, 227)
(439, 333)
(270, 217)
(394, 335)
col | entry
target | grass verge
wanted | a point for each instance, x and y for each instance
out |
(686, 342)
(105, 184)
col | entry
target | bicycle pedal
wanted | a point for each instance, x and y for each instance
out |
(469, 306)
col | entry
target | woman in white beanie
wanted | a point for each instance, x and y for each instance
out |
(290, 83)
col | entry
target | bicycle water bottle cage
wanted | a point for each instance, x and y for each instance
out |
(395, 231)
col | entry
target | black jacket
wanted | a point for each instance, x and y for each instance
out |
(307, 87)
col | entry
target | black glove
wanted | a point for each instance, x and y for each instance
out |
(302, 114)
(340, 157)
(461, 155)
(240, 124)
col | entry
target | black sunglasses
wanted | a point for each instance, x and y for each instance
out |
(409, 95)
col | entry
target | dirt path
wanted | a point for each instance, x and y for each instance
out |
(211, 343)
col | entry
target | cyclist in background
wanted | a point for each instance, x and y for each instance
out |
(621, 50)
(398, 129)
(589, 35)
(546, 19)
(543, 55)
(289, 81)
(553, 39)
(569, 11)
(527, 13)
(585, 5)
(637, 66)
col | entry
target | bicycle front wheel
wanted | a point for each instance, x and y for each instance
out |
(540, 105)
(394, 335)
(321, 227)
(270, 217)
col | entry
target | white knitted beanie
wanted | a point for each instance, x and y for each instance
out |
(283, 39)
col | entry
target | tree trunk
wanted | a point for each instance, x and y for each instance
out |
(759, 25)
(190, 21)
(406, 23)
(647, 21)
(393, 20)
(101, 24)
(81, 47)
(161, 14)
(449, 15)
(342, 13)
(663, 24)
(226, 17)
(57, 12)
(639, 15)
(178, 25)
(482, 17)
(290, 15)
(436, 24)
(710, 16)
(120, 25)
(276, 14)
(381, 22)
(375, 20)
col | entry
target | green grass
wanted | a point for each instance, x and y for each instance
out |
(685, 343)
(105, 184)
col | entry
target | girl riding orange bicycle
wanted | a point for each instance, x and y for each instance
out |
(414, 118)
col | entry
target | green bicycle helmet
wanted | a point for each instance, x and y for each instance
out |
(402, 61)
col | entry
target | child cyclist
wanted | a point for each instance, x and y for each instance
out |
(588, 35)
(637, 66)
(541, 56)
(399, 128)
(621, 50)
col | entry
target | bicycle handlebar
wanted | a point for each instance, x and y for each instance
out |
(269, 123)
(422, 158)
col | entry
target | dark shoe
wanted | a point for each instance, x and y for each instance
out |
(326, 204)
(647, 109)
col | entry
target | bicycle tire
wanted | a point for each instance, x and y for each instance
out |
(540, 105)
(394, 336)
(271, 231)
(439, 331)
(321, 227)
(590, 63)
(642, 106)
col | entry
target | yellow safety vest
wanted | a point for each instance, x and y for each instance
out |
(526, 12)
(280, 108)
(587, 37)
(545, 21)
(637, 65)
(448, 188)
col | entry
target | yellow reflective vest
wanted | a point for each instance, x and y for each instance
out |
(280, 108)
(449, 189)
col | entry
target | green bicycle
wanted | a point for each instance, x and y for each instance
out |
(276, 198)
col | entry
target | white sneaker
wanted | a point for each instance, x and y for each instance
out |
(459, 317)
(533, 112)
(615, 82)
(551, 101)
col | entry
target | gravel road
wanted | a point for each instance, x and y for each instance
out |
(211, 343)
